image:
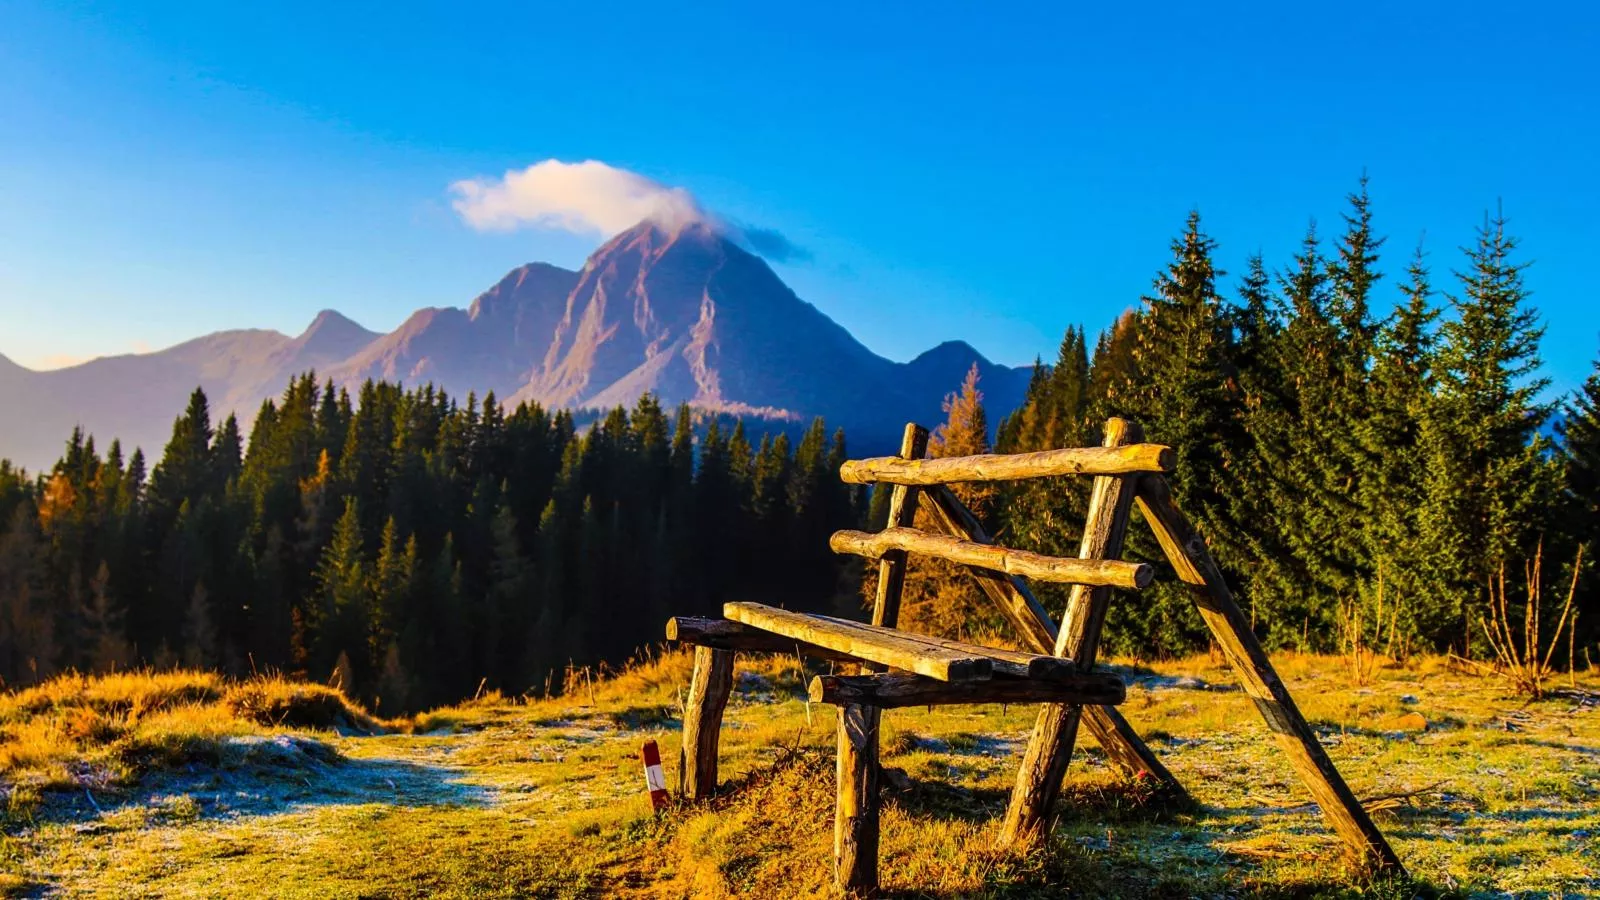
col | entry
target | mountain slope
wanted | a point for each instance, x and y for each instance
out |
(493, 345)
(684, 313)
(694, 318)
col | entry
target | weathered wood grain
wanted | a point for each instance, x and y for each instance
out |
(709, 687)
(1123, 460)
(902, 512)
(855, 822)
(884, 646)
(1231, 628)
(726, 635)
(1055, 731)
(1096, 572)
(891, 691)
(730, 635)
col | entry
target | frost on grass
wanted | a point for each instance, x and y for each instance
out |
(1479, 792)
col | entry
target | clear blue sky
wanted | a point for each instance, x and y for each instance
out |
(980, 171)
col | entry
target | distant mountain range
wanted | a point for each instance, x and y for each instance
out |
(685, 313)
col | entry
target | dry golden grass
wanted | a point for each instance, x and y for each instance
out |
(542, 798)
(95, 733)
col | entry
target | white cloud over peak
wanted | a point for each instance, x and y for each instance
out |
(592, 197)
(587, 196)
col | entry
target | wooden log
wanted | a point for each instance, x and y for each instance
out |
(856, 819)
(869, 643)
(855, 822)
(726, 635)
(1231, 628)
(890, 691)
(1097, 572)
(1116, 736)
(902, 512)
(1124, 460)
(1055, 731)
(702, 721)
(730, 635)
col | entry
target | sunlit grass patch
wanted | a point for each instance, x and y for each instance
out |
(518, 796)
(96, 734)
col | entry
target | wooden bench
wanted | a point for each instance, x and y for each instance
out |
(892, 668)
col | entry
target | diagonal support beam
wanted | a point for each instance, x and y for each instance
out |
(1044, 763)
(1195, 567)
(1027, 615)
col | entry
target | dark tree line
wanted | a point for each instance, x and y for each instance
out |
(1362, 449)
(1356, 449)
(417, 544)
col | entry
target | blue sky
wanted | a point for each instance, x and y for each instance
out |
(980, 171)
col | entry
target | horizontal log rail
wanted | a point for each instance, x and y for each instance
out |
(895, 690)
(1093, 572)
(725, 635)
(872, 643)
(1128, 459)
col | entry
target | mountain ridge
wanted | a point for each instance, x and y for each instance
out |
(684, 313)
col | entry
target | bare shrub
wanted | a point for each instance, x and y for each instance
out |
(1522, 654)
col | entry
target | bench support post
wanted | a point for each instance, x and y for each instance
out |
(1044, 764)
(702, 721)
(1228, 624)
(855, 826)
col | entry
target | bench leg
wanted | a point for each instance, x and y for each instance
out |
(855, 826)
(702, 721)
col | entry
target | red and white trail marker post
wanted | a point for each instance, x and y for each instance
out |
(654, 780)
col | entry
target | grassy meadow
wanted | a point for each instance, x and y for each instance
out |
(187, 785)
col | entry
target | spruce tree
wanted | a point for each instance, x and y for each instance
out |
(1393, 495)
(337, 620)
(1580, 440)
(1490, 480)
(1183, 395)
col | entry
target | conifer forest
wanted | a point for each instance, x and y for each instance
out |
(1362, 433)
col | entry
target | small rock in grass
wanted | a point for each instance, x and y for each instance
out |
(1411, 721)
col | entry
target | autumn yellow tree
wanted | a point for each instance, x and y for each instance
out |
(940, 597)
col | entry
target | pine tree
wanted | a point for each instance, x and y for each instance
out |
(337, 620)
(1580, 439)
(199, 648)
(1393, 496)
(107, 648)
(28, 642)
(185, 470)
(227, 455)
(394, 574)
(1490, 481)
(1254, 532)
(1345, 466)
(1183, 396)
(1294, 556)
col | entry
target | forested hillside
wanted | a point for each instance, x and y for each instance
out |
(426, 549)
(1365, 450)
